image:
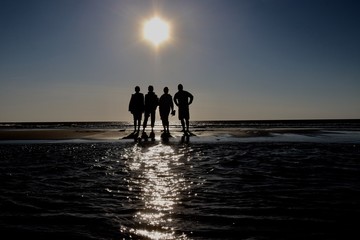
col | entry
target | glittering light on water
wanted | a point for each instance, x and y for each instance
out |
(159, 187)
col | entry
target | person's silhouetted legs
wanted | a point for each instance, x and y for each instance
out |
(136, 107)
(183, 125)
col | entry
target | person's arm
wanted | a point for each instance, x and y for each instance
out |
(142, 103)
(191, 98)
(171, 104)
(131, 103)
(176, 100)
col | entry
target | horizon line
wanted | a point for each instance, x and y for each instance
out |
(212, 120)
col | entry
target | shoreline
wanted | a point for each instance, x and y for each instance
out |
(202, 135)
(62, 134)
(59, 134)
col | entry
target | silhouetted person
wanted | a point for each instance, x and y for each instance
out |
(151, 103)
(166, 106)
(137, 107)
(183, 99)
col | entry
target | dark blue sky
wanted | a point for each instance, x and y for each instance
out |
(242, 59)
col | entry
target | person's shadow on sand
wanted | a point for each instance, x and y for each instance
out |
(133, 135)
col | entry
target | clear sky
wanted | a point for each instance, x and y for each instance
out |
(79, 60)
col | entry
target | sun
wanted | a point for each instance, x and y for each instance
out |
(156, 31)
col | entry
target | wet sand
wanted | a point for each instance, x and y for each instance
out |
(113, 134)
(61, 134)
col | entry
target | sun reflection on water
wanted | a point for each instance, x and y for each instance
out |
(159, 190)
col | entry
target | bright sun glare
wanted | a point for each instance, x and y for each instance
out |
(156, 31)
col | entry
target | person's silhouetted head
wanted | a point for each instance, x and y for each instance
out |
(151, 88)
(166, 90)
(137, 89)
(180, 87)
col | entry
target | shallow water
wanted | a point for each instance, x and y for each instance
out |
(112, 190)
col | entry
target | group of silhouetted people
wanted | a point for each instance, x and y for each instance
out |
(148, 105)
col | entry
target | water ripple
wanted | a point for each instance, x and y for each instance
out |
(179, 191)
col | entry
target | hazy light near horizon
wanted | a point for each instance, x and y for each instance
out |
(156, 31)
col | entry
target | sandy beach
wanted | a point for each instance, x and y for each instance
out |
(108, 134)
(60, 134)
(213, 134)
